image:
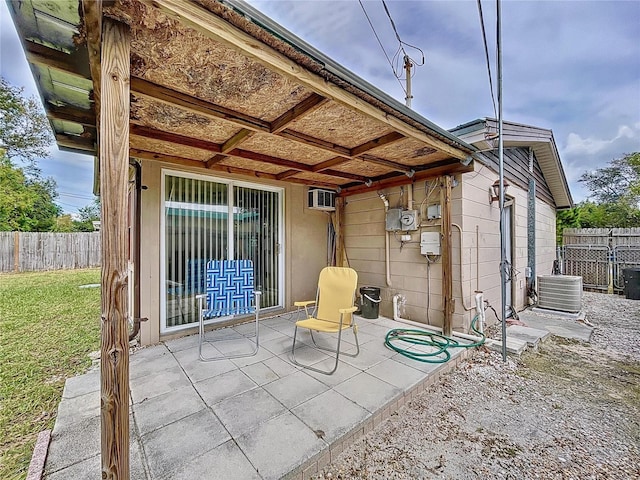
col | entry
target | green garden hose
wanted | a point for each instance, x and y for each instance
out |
(438, 341)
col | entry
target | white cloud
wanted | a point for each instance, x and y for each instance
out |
(578, 145)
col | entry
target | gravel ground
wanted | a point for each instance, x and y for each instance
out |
(570, 410)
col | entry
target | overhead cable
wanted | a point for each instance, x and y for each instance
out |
(396, 57)
(381, 46)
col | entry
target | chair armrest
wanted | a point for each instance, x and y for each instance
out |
(348, 310)
(304, 304)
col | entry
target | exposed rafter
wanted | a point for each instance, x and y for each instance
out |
(236, 140)
(67, 113)
(376, 142)
(72, 63)
(148, 132)
(305, 107)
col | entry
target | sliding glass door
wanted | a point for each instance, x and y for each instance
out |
(206, 219)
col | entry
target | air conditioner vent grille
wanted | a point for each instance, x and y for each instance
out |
(560, 292)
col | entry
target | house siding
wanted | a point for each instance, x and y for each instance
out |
(304, 249)
(475, 249)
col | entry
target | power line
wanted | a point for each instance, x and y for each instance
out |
(382, 46)
(486, 52)
(401, 45)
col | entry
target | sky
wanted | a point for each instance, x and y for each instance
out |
(569, 66)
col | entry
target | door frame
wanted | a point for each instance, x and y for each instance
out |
(231, 184)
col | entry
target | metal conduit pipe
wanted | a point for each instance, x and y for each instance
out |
(397, 318)
(387, 241)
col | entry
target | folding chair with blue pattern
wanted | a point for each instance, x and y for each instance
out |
(229, 292)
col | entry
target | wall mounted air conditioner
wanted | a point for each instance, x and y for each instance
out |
(560, 292)
(321, 199)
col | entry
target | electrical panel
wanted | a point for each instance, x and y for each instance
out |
(393, 219)
(430, 243)
(320, 199)
(434, 211)
(409, 220)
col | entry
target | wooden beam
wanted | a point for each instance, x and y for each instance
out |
(447, 256)
(114, 183)
(218, 29)
(315, 142)
(398, 167)
(332, 162)
(236, 140)
(68, 113)
(338, 225)
(286, 174)
(215, 159)
(148, 132)
(339, 174)
(92, 16)
(72, 63)
(188, 162)
(395, 180)
(308, 105)
(376, 142)
(192, 104)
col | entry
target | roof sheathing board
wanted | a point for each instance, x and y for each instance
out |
(286, 149)
(337, 124)
(152, 145)
(360, 167)
(257, 25)
(408, 152)
(159, 115)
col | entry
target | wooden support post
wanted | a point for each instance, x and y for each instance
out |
(340, 250)
(447, 256)
(114, 178)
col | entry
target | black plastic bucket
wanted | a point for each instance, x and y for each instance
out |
(632, 283)
(370, 302)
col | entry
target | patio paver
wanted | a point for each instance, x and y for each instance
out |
(260, 417)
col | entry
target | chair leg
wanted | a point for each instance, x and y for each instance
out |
(336, 351)
(227, 357)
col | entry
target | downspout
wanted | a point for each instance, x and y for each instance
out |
(387, 241)
(397, 318)
(136, 252)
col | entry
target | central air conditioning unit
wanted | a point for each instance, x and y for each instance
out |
(321, 199)
(560, 292)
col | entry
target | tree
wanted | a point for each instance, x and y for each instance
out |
(24, 129)
(26, 203)
(87, 215)
(620, 181)
(616, 190)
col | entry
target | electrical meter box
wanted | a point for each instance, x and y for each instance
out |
(393, 219)
(430, 243)
(409, 220)
(433, 211)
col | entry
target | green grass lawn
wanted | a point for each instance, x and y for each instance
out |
(48, 325)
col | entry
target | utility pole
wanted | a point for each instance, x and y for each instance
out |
(407, 69)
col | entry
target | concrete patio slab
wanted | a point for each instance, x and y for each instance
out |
(260, 417)
(532, 336)
(572, 327)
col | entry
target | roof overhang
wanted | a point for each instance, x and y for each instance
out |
(482, 133)
(219, 86)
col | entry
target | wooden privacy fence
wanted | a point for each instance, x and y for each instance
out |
(599, 255)
(35, 251)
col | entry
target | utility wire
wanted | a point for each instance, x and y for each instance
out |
(486, 53)
(381, 46)
(396, 58)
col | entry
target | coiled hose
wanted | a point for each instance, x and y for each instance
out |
(438, 341)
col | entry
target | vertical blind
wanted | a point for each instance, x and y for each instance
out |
(203, 222)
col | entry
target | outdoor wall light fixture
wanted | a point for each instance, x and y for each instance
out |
(494, 191)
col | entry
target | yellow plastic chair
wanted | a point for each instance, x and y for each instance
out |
(332, 312)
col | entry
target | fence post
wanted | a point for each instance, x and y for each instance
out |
(16, 251)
